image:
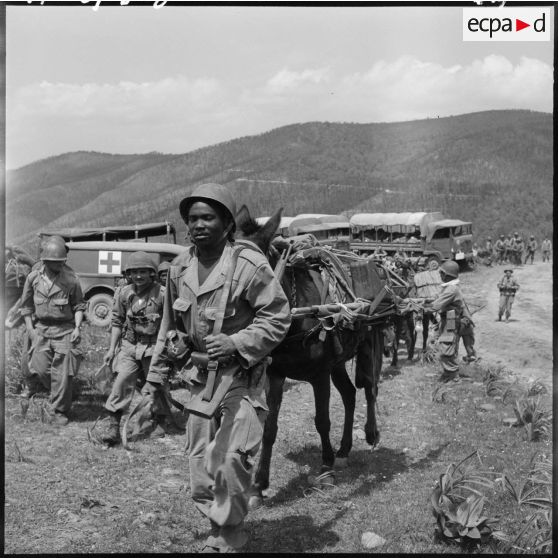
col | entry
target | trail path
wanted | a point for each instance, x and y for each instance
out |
(524, 344)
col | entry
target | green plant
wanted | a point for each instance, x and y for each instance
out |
(533, 417)
(458, 505)
(535, 493)
(537, 388)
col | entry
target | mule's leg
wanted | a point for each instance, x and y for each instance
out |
(347, 390)
(411, 336)
(397, 340)
(425, 326)
(322, 391)
(274, 399)
(368, 369)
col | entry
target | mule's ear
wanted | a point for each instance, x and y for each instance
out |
(243, 217)
(269, 230)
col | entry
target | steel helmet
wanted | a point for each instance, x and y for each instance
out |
(163, 266)
(450, 268)
(140, 260)
(209, 192)
(54, 249)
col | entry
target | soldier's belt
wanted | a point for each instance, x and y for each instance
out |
(148, 339)
(218, 382)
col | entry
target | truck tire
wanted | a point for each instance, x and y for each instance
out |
(432, 259)
(99, 310)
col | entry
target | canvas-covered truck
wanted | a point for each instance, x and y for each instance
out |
(430, 236)
(100, 264)
(331, 230)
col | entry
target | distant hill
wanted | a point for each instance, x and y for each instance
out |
(492, 168)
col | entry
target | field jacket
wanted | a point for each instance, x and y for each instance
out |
(138, 317)
(450, 298)
(54, 306)
(508, 286)
(257, 314)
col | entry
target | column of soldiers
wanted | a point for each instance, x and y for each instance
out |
(511, 249)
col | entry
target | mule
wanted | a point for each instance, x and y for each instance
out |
(314, 355)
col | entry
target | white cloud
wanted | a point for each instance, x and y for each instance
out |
(177, 114)
(288, 80)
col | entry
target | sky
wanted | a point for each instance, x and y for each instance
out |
(136, 79)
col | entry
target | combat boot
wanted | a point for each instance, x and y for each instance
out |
(112, 435)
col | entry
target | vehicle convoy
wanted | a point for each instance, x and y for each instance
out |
(100, 263)
(430, 236)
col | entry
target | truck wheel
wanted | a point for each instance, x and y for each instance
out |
(433, 262)
(99, 310)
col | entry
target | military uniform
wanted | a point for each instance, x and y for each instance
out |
(256, 319)
(54, 358)
(531, 248)
(451, 306)
(546, 248)
(508, 287)
(500, 249)
(139, 318)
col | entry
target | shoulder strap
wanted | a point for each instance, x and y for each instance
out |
(220, 314)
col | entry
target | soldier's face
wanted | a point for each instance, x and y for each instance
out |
(54, 266)
(141, 277)
(206, 226)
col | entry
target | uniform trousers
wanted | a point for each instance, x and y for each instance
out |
(221, 452)
(506, 302)
(53, 363)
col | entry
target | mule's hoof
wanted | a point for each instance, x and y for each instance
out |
(341, 462)
(255, 501)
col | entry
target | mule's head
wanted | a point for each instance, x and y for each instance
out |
(247, 228)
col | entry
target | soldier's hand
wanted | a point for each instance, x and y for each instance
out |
(75, 336)
(109, 355)
(33, 336)
(219, 345)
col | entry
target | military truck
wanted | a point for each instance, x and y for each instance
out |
(99, 257)
(428, 236)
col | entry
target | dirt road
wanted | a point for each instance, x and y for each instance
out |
(524, 344)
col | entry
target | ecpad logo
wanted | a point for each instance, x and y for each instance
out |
(506, 24)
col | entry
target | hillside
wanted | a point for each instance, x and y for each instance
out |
(493, 168)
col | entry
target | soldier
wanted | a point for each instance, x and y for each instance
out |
(500, 249)
(519, 248)
(451, 306)
(508, 287)
(489, 249)
(546, 248)
(52, 294)
(163, 272)
(220, 285)
(531, 248)
(507, 249)
(136, 317)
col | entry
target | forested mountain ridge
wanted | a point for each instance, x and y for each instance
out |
(492, 168)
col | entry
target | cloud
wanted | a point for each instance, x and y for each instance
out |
(287, 80)
(178, 114)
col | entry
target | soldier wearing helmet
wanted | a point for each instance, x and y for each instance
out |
(507, 286)
(136, 318)
(163, 272)
(500, 249)
(52, 296)
(531, 249)
(546, 248)
(225, 301)
(453, 310)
